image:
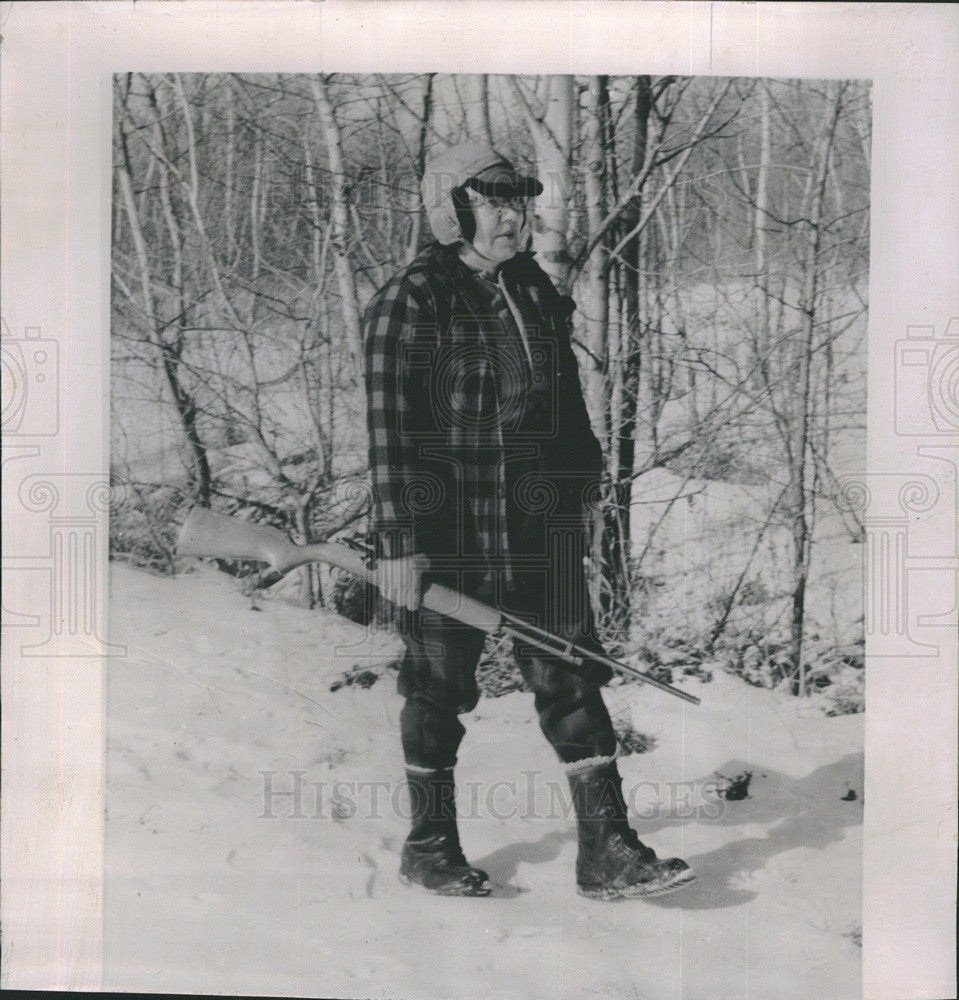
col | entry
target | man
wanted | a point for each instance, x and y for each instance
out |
(482, 459)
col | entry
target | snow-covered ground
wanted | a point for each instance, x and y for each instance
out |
(204, 893)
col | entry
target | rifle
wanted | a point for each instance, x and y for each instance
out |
(219, 536)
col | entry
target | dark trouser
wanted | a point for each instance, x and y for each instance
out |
(437, 675)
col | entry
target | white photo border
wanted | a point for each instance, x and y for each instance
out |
(58, 61)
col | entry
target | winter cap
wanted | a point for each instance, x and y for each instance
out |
(482, 168)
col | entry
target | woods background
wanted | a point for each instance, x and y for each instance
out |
(714, 233)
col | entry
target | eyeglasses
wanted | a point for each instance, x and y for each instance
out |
(516, 203)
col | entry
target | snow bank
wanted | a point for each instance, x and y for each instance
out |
(215, 885)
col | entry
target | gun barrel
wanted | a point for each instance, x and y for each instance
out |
(574, 653)
(627, 670)
(206, 533)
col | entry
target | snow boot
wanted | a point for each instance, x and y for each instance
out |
(612, 862)
(432, 856)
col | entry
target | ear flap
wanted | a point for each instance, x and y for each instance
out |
(525, 234)
(465, 220)
(444, 224)
(567, 306)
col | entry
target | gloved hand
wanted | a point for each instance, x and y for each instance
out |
(401, 580)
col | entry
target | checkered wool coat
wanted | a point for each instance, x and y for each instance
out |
(460, 397)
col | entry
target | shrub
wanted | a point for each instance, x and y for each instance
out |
(358, 601)
(144, 526)
(847, 695)
(764, 658)
(630, 740)
(497, 672)
(364, 676)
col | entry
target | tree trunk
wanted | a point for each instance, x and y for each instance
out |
(229, 172)
(419, 215)
(594, 300)
(761, 218)
(301, 516)
(800, 495)
(340, 215)
(477, 107)
(552, 137)
(626, 376)
(255, 216)
(183, 401)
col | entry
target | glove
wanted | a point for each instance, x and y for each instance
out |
(401, 580)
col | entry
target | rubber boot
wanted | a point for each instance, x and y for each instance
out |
(432, 856)
(612, 862)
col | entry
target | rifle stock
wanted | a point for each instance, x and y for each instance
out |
(219, 536)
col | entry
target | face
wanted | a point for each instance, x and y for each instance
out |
(499, 224)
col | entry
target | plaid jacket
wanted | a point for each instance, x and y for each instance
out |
(451, 383)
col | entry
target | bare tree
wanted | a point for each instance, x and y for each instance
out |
(165, 336)
(713, 232)
(340, 216)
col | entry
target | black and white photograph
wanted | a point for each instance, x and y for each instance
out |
(571, 369)
(490, 536)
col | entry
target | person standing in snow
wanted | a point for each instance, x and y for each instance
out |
(483, 462)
